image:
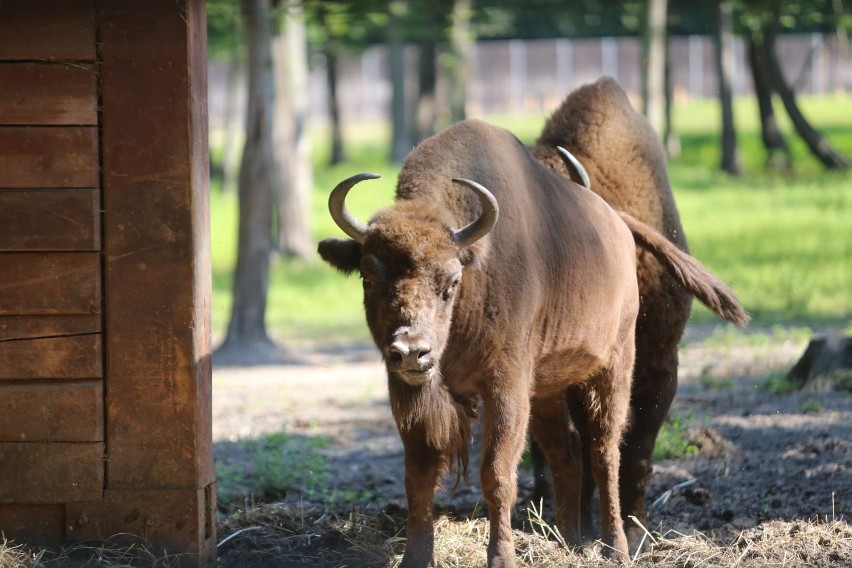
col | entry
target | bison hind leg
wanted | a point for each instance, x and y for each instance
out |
(607, 398)
(653, 391)
(579, 418)
(561, 446)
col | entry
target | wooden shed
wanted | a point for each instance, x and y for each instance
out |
(105, 383)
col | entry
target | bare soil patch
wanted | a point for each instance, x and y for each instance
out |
(760, 465)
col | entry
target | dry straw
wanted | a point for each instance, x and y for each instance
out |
(302, 536)
(312, 537)
(123, 551)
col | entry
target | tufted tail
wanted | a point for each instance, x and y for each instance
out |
(691, 274)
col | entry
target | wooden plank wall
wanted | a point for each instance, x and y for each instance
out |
(51, 355)
(104, 274)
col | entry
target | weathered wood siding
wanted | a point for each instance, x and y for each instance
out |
(104, 274)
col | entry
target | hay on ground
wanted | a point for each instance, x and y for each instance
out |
(282, 536)
(286, 536)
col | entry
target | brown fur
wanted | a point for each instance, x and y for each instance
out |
(546, 301)
(627, 167)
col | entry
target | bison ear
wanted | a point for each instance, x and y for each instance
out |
(474, 255)
(342, 254)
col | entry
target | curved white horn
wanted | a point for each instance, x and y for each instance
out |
(471, 233)
(572, 162)
(337, 207)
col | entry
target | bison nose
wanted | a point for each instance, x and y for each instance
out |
(407, 356)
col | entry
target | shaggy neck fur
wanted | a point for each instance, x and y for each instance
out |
(433, 412)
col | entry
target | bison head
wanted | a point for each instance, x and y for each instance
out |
(411, 263)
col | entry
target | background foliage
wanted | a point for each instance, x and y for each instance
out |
(781, 240)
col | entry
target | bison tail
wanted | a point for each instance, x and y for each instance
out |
(691, 274)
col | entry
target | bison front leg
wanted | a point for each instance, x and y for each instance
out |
(504, 435)
(422, 469)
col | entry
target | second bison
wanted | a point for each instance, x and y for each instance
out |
(626, 166)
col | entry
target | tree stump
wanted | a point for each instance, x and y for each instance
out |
(825, 365)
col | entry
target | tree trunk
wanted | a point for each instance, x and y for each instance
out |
(457, 61)
(724, 37)
(233, 125)
(331, 50)
(670, 137)
(778, 154)
(654, 64)
(400, 139)
(837, 78)
(425, 115)
(818, 145)
(291, 137)
(432, 32)
(338, 156)
(825, 365)
(259, 173)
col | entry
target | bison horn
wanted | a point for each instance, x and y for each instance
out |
(337, 207)
(572, 162)
(468, 235)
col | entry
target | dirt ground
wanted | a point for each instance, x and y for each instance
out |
(760, 456)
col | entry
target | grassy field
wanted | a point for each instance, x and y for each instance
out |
(783, 241)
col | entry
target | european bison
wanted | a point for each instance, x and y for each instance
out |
(627, 167)
(464, 307)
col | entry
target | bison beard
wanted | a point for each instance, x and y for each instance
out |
(430, 412)
(513, 313)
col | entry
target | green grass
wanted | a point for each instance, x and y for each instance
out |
(781, 241)
(777, 382)
(265, 469)
(725, 337)
(709, 382)
(672, 441)
(782, 244)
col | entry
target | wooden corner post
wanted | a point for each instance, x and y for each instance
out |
(105, 370)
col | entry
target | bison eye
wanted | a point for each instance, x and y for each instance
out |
(450, 290)
(368, 284)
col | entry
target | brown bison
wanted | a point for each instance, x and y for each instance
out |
(464, 308)
(627, 167)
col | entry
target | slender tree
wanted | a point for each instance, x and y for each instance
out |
(429, 30)
(724, 39)
(671, 140)
(654, 38)
(331, 47)
(841, 42)
(234, 113)
(778, 153)
(400, 134)
(425, 112)
(291, 135)
(338, 155)
(458, 60)
(817, 144)
(223, 43)
(260, 172)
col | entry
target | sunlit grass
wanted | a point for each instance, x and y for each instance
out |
(781, 241)
(783, 245)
